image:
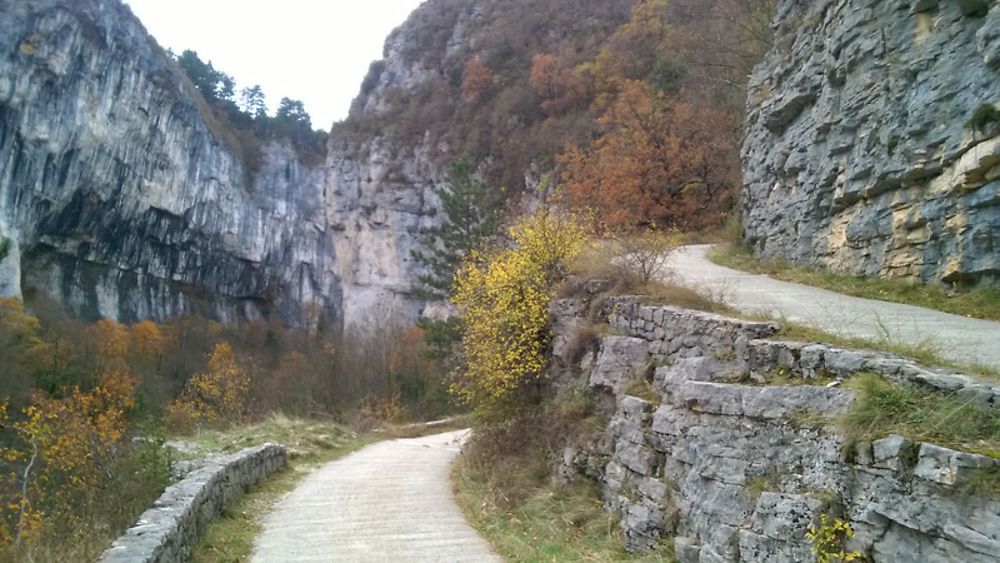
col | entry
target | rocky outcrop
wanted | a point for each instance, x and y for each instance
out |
(123, 197)
(873, 142)
(120, 199)
(379, 204)
(167, 531)
(734, 469)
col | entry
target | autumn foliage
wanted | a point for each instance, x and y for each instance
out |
(63, 448)
(82, 405)
(478, 80)
(504, 297)
(548, 87)
(662, 161)
(220, 394)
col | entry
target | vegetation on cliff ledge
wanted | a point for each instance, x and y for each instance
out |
(638, 104)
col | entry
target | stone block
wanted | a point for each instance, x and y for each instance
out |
(949, 467)
(643, 524)
(843, 363)
(811, 359)
(891, 452)
(635, 409)
(986, 396)
(763, 402)
(918, 6)
(713, 398)
(783, 516)
(566, 311)
(758, 547)
(621, 360)
(686, 549)
(780, 402)
(654, 489)
(637, 457)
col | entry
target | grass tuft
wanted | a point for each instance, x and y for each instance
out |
(644, 390)
(884, 408)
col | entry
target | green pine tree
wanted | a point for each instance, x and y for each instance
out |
(469, 207)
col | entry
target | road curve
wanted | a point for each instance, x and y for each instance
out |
(390, 501)
(953, 337)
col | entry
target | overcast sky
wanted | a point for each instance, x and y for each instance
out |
(316, 51)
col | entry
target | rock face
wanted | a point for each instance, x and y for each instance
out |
(119, 199)
(736, 471)
(379, 204)
(874, 139)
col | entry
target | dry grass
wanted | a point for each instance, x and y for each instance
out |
(602, 261)
(884, 408)
(503, 483)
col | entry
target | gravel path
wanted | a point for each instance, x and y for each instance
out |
(390, 501)
(956, 338)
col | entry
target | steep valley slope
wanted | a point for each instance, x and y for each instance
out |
(123, 195)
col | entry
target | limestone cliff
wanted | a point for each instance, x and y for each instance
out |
(874, 139)
(124, 198)
(118, 198)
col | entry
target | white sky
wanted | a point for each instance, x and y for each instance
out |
(317, 51)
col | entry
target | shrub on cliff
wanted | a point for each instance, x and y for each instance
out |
(504, 296)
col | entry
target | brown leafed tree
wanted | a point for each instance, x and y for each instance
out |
(630, 52)
(660, 162)
(478, 80)
(544, 76)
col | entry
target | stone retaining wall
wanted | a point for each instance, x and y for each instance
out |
(167, 531)
(740, 471)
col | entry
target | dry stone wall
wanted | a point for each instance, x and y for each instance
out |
(873, 142)
(168, 530)
(740, 471)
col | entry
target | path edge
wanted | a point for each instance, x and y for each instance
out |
(168, 530)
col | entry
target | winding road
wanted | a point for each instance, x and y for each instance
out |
(953, 337)
(390, 501)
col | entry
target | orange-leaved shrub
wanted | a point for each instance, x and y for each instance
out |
(219, 395)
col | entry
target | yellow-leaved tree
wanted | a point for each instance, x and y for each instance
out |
(218, 395)
(62, 456)
(503, 295)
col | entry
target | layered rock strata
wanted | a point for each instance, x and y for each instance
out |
(119, 198)
(122, 195)
(733, 469)
(873, 142)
